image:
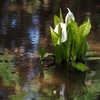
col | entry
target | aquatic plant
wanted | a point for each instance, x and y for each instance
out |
(44, 54)
(69, 40)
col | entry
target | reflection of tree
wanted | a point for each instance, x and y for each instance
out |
(16, 22)
(1, 8)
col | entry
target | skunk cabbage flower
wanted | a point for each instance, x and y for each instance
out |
(62, 26)
(69, 15)
(63, 32)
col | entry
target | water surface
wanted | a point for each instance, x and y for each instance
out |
(24, 28)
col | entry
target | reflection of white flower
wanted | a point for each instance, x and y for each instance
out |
(62, 90)
(63, 27)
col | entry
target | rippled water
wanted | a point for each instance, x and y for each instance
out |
(24, 28)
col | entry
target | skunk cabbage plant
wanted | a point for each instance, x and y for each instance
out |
(59, 33)
(69, 40)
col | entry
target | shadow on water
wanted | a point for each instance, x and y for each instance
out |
(24, 28)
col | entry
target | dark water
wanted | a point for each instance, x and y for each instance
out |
(24, 28)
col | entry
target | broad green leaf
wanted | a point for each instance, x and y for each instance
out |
(80, 66)
(64, 52)
(54, 36)
(83, 50)
(73, 29)
(57, 20)
(84, 29)
(66, 46)
(83, 32)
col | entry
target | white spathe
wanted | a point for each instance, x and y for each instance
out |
(69, 15)
(63, 27)
(64, 34)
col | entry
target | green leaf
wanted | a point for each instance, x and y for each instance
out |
(57, 20)
(64, 52)
(80, 66)
(47, 54)
(57, 52)
(84, 29)
(83, 50)
(83, 32)
(91, 53)
(73, 29)
(69, 20)
(60, 34)
(42, 52)
(54, 36)
(93, 58)
(66, 46)
(61, 18)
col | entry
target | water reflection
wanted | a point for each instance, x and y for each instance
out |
(58, 84)
(68, 84)
(34, 33)
(21, 77)
(13, 21)
(3, 25)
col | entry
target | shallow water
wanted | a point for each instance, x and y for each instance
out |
(24, 28)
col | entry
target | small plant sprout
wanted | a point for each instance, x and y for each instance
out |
(43, 54)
